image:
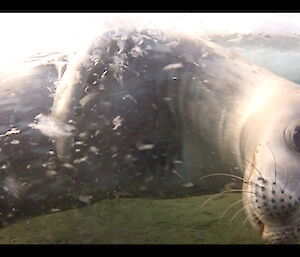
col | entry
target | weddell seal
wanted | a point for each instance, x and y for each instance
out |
(145, 112)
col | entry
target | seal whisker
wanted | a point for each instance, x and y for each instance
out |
(220, 174)
(217, 194)
(254, 168)
(229, 207)
(258, 219)
(224, 192)
(286, 181)
(275, 164)
(247, 216)
(236, 202)
(245, 220)
(235, 215)
(228, 175)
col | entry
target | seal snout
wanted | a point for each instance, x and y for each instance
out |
(273, 201)
(274, 210)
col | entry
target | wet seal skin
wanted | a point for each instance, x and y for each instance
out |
(151, 113)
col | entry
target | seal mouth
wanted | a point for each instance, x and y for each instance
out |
(275, 216)
(275, 230)
(277, 234)
(273, 210)
(281, 235)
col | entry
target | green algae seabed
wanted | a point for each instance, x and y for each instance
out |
(190, 220)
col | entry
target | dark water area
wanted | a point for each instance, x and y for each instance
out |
(191, 220)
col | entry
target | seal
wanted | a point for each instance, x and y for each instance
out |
(145, 112)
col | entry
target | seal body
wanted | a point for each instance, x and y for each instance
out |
(139, 113)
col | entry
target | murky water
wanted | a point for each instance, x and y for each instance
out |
(140, 221)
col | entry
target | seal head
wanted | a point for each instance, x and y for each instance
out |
(271, 189)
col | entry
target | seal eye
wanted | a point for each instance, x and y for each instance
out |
(296, 138)
(292, 137)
